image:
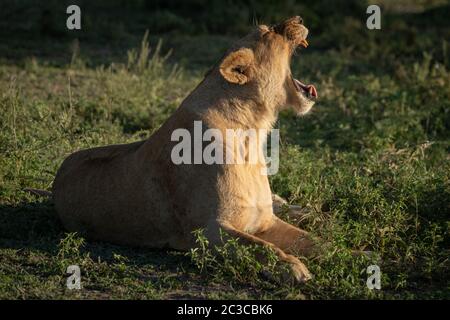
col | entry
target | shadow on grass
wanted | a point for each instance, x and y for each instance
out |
(34, 226)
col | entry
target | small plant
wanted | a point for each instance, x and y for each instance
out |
(140, 61)
(120, 263)
(70, 246)
(70, 251)
(235, 262)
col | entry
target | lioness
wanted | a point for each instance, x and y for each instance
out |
(134, 194)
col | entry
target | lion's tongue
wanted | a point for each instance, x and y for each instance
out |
(311, 89)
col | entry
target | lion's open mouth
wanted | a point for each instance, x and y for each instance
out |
(307, 90)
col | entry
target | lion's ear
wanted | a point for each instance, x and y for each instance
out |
(237, 67)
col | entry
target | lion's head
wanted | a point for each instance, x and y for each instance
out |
(259, 65)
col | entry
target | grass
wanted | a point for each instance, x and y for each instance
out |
(371, 163)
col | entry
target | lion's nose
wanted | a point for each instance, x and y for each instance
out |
(293, 21)
(292, 28)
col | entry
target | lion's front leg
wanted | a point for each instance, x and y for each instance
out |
(289, 238)
(299, 270)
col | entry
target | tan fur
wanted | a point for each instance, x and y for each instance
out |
(133, 194)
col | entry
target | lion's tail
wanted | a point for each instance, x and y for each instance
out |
(39, 192)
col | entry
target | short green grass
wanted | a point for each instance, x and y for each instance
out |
(371, 163)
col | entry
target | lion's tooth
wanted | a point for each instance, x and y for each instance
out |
(304, 43)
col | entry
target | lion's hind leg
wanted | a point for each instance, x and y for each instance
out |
(280, 205)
